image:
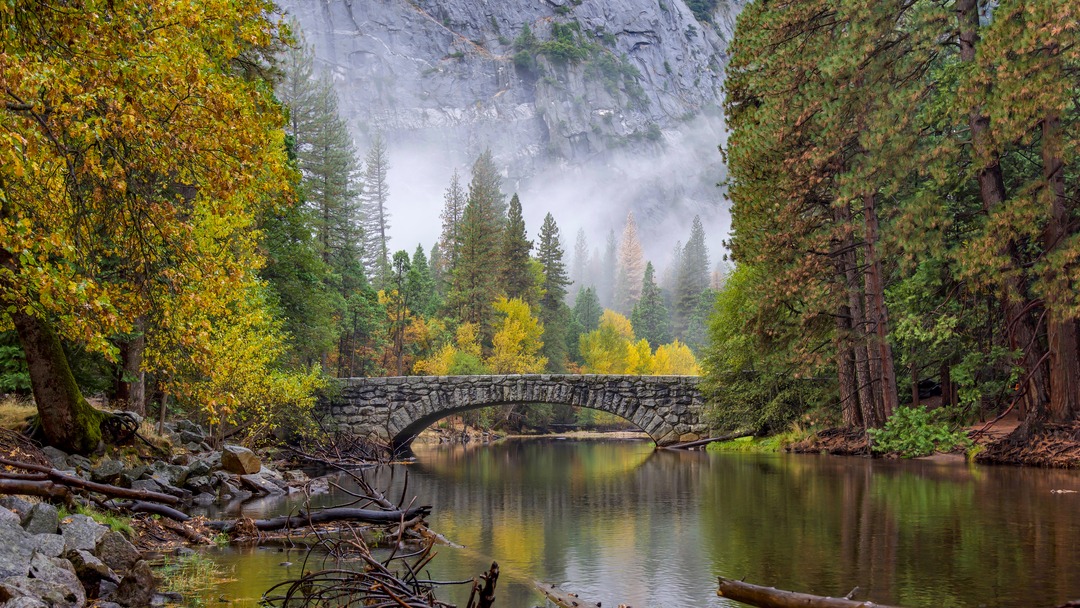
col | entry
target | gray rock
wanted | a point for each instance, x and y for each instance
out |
(27, 602)
(191, 446)
(204, 499)
(198, 468)
(57, 458)
(17, 545)
(46, 593)
(296, 476)
(137, 587)
(130, 476)
(189, 426)
(107, 471)
(58, 573)
(81, 532)
(16, 504)
(148, 485)
(108, 605)
(49, 545)
(190, 437)
(199, 484)
(79, 462)
(262, 486)
(239, 460)
(90, 570)
(117, 552)
(9, 518)
(42, 519)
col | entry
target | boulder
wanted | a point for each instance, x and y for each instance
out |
(26, 602)
(240, 460)
(262, 486)
(137, 587)
(296, 476)
(57, 458)
(9, 518)
(107, 471)
(27, 591)
(43, 518)
(199, 484)
(81, 532)
(117, 552)
(59, 574)
(198, 468)
(17, 545)
(130, 476)
(49, 545)
(16, 504)
(90, 570)
(79, 462)
(146, 484)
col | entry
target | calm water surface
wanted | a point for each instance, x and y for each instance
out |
(617, 523)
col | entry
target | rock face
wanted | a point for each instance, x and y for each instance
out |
(239, 460)
(449, 76)
(668, 408)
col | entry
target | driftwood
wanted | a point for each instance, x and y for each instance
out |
(563, 599)
(768, 597)
(46, 478)
(485, 596)
(693, 444)
(304, 518)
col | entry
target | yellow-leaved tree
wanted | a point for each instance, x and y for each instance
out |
(675, 359)
(604, 349)
(517, 342)
(138, 144)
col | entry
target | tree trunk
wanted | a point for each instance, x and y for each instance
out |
(67, 420)
(845, 370)
(1018, 318)
(131, 383)
(914, 379)
(877, 314)
(1061, 331)
(849, 264)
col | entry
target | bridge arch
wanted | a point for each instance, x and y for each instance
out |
(396, 409)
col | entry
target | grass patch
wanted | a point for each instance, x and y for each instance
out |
(116, 523)
(762, 445)
(190, 574)
(14, 410)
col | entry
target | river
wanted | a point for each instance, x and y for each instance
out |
(616, 522)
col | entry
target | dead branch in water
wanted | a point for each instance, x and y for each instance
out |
(768, 597)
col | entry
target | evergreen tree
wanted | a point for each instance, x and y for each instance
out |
(515, 277)
(587, 309)
(631, 268)
(450, 239)
(650, 318)
(398, 308)
(605, 281)
(554, 313)
(474, 280)
(376, 216)
(693, 278)
(420, 285)
(580, 272)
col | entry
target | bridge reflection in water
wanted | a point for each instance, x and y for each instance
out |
(667, 408)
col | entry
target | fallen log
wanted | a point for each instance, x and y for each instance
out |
(71, 481)
(304, 518)
(44, 489)
(693, 444)
(769, 597)
(563, 599)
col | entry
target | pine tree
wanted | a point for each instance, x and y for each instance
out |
(650, 318)
(515, 277)
(420, 285)
(554, 313)
(450, 239)
(605, 282)
(693, 278)
(587, 309)
(376, 216)
(580, 272)
(474, 280)
(631, 268)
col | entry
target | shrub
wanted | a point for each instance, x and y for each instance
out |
(914, 431)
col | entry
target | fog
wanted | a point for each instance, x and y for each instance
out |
(665, 186)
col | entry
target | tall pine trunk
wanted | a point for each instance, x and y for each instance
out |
(1022, 330)
(67, 420)
(877, 314)
(850, 277)
(1061, 330)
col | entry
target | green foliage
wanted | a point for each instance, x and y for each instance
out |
(14, 378)
(554, 313)
(915, 431)
(702, 9)
(650, 317)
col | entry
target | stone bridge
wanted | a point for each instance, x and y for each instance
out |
(396, 409)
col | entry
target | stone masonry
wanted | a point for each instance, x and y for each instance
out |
(667, 408)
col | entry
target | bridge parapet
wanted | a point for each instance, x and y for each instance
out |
(395, 409)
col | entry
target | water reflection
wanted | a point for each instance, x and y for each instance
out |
(618, 523)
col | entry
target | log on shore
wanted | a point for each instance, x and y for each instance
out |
(768, 597)
(71, 481)
(303, 519)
